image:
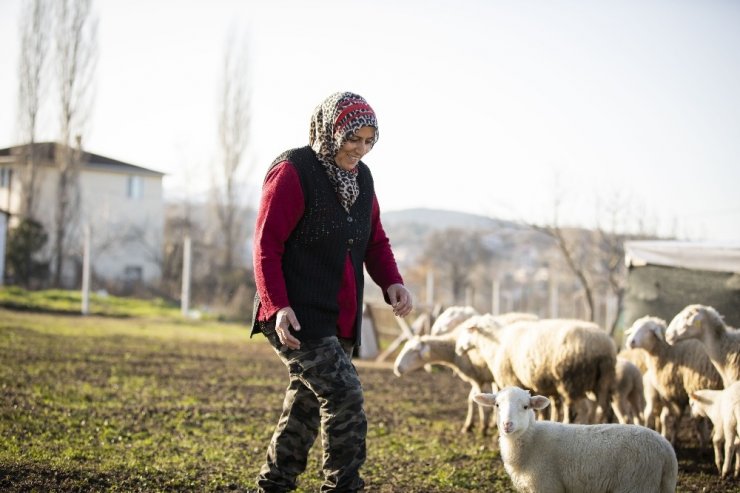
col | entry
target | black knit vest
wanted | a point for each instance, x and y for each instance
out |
(315, 253)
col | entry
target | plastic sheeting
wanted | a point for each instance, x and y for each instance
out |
(664, 277)
(701, 256)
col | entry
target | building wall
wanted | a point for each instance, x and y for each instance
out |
(9, 188)
(126, 223)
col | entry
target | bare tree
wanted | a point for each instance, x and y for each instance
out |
(456, 254)
(233, 134)
(613, 232)
(34, 48)
(76, 56)
(574, 254)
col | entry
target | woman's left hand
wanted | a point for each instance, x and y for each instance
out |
(400, 299)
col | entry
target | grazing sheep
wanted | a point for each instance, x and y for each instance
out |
(674, 371)
(455, 316)
(722, 407)
(628, 400)
(548, 457)
(428, 349)
(721, 342)
(451, 318)
(555, 357)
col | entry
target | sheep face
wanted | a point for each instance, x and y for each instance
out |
(515, 407)
(465, 341)
(689, 323)
(645, 333)
(699, 401)
(414, 355)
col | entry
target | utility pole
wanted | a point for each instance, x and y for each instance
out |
(185, 295)
(86, 270)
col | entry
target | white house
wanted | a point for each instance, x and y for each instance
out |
(120, 203)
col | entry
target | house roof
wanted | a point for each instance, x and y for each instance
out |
(47, 151)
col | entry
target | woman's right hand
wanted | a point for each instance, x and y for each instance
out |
(284, 320)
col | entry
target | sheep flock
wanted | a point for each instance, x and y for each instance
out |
(570, 404)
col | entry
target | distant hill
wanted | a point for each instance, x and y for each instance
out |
(410, 229)
(436, 219)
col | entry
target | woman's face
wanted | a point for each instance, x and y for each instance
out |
(355, 147)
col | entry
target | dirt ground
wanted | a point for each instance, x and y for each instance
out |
(133, 414)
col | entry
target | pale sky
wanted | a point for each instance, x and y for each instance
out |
(489, 107)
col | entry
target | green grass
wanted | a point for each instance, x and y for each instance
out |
(150, 404)
(65, 301)
(105, 403)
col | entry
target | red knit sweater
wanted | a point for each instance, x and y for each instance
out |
(281, 207)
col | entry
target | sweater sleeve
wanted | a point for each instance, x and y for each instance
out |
(281, 207)
(379, 260)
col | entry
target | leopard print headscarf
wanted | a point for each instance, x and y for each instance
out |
(332, 122)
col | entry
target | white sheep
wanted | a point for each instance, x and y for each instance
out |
(674, 371)
(628, 400)
(420, 351)
(721, 342)
(722, 407)
(450, 318)
(455, 316)
(555, 357)
(653, 402)
(549, 457)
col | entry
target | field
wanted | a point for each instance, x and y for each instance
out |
(150, 403)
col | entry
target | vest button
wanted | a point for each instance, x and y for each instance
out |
(349, 219)
(351, 241)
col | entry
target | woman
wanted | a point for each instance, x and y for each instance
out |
(318, 224)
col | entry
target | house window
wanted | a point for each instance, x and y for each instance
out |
(133, 273)
(134, 187)
(6, 175)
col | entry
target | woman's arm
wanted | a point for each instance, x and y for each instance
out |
(281, 207)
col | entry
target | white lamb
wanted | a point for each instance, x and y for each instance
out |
(450, 318)
(420, 351)
(549, 457)
(721, 342)
(674, 371)
(555, 357)
(722, 407)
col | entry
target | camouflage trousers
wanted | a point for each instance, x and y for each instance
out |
(324, 393)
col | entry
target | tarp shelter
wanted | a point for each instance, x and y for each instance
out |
(665, 276)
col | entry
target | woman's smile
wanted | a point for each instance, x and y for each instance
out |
(355, 148)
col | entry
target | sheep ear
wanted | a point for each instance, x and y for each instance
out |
(539, 402)
(485, 399)
(658, 331)
(699, 396)
(697, 319)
